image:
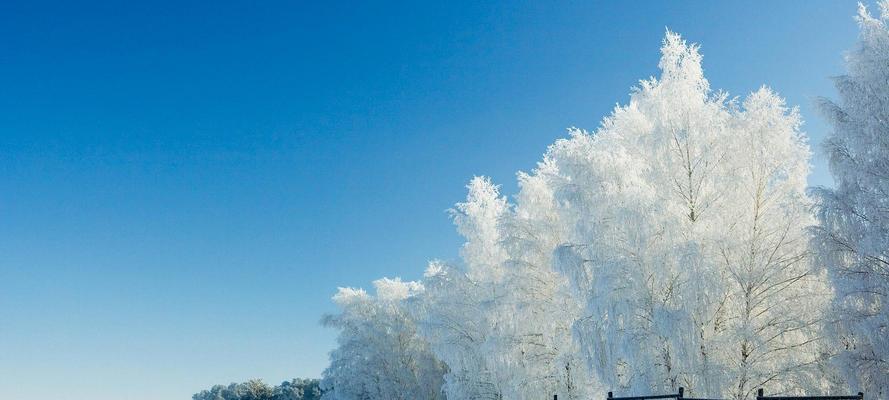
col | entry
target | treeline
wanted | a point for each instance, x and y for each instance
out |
(676, 245)
(256, 389)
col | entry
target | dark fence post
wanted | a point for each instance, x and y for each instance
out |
(610, 395)
(555, 397)
(861, 395)
(681, 393)
(759, 394)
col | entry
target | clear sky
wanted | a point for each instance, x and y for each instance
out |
(183, 185)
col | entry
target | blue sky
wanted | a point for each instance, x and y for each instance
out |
(183, 185)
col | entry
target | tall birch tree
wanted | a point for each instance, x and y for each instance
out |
(853, 238)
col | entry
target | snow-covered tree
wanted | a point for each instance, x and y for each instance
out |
(667, 249)
(298, 389)
(255, 389)
(461, 305)
(502, 320)
(541, 349)
(853, 238)
(686, 223)
(458, 325)
(380, 356)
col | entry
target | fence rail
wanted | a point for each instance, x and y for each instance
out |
(680, 395)
(760, 396)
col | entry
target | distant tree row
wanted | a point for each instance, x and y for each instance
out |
(677, 245)
(256, 389)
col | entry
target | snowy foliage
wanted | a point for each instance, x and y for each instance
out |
(853, 239)
(685, 220)
(502, 322)
(668, 248)
(380, 355)
(296, 389)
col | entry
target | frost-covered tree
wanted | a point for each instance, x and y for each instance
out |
(458, 326)
(298, 389)
(380, 356)
(686, 218)
(501, 321)
(542, 351)
(460, 305)
(667, 249)
(255, 389)
(853, 238)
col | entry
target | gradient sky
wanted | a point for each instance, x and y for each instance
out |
(183, 185)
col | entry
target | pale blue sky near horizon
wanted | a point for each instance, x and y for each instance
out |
(183, 185)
